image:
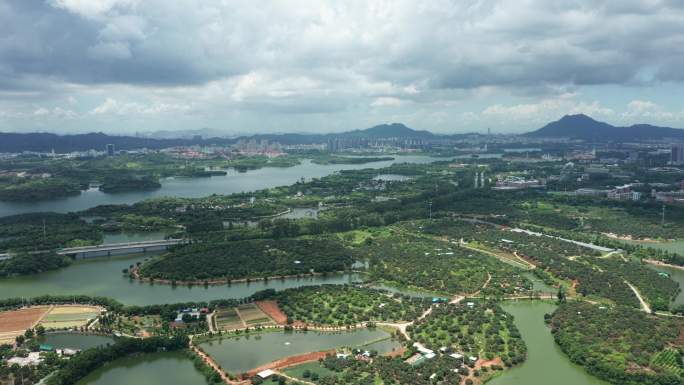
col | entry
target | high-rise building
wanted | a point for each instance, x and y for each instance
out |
(110, 150)
(677, 157)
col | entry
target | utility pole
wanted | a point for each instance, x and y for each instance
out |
(430, 209)
(44, 231)
(663, 216)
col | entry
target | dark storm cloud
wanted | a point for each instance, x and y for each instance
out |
(93, 60)
(446, 44)
(43, 40)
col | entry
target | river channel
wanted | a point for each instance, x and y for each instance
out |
(546, 364)
(104, 277)
(232, 182)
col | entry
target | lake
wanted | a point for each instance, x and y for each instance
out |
(237, 355)
(232, 182)
(539, 285)
(546, 363)
(170, 368)
(104, 277)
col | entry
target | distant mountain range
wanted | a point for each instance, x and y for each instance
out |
(569, 126)
(585, 128)
(46, 142)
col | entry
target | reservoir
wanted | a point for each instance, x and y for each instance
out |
(171, 368)
(237, 355)
(75, 340)
(233, 182)
(104, 277)
(546, 363)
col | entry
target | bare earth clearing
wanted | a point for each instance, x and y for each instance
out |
(15, 322)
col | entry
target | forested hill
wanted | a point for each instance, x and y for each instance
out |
(585, 128)
(45, 142)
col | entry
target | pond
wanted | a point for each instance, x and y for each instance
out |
(539, 285)
(546, 363)
(232, 182)
(104, 277)
(238, 355)
(75, 340)
(170, 368)
(383, 347)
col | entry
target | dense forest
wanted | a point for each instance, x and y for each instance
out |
(480, 329)
(123, 183)
(620, 344)
(347, 305)
(46, 231)
(249, 259)
(16, 189)
(407, 260)
(32, 263)
(392, 371)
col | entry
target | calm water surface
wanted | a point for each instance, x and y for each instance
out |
(75, 340)
(147, 369)
(233, 182)
(104, 277)
(546, 364)
(237, 355)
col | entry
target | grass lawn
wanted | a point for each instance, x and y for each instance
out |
(313, 367)
(69, 317)
(139, 325)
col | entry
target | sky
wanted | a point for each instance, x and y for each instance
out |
(241, 67)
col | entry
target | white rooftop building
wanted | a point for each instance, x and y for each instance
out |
(32, 359)
(266, 373)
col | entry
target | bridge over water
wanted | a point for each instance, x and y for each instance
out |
(119, 248)
(110, 249)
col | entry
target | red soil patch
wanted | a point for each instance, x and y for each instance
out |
(291, 361)
(272, 309)
(480, 364)
(21, 319)
(398, 352)
(496, 361)
(14, 323)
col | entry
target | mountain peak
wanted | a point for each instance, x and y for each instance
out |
(577, 118)
(392, 130)
(584, 127)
